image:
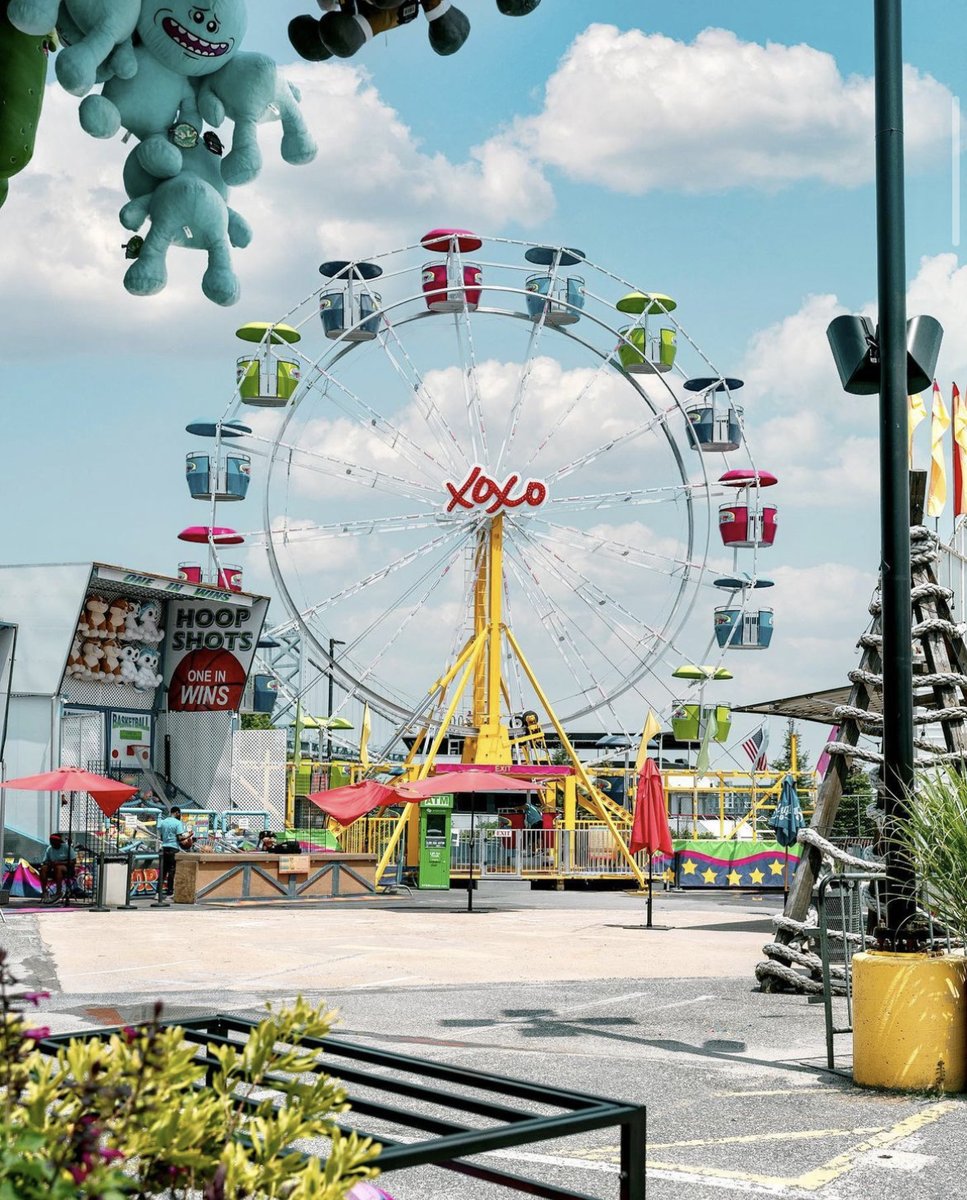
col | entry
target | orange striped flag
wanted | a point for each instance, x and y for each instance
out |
(959, 405)
(939, 424)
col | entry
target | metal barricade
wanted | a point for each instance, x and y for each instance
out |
(844, 902)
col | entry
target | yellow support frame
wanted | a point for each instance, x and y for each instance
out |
(481, 666)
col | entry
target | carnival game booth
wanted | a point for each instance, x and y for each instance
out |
(125, 673)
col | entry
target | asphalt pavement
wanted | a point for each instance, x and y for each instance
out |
(563, 989)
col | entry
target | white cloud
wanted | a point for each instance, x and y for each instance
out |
(821, 442)
(371, 185)
(636, 111)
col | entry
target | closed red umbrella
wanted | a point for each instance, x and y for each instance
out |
(649, 829)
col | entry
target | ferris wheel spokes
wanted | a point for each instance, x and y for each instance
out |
(619, 620)
(675, 568)
(560, 637)
(416, 385)
(309, 531)
(306, 459)
(374, 422)
(622, 439)
(398, 564)
(634, 497)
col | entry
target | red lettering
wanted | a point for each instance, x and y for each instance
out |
(479, 490)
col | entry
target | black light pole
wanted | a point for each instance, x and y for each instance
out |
(894, 480)
(333, 643)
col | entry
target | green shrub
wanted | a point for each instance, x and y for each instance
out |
(130, 1116)
(935, 837)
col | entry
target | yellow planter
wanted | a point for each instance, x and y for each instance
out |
(910, 1021)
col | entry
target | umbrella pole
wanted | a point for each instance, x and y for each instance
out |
(472, 844)
(650, 861)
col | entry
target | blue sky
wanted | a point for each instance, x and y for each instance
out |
(721, 153)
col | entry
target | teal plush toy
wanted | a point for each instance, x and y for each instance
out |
(250, 91)
(107, 26)
(189, 210)
(96, 34)
(148, 106)
(35, 17)
(179, 42)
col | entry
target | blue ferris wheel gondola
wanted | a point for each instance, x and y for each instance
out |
(202, 427)
(716, 422)
(738, 583)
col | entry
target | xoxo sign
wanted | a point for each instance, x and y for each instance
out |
(478, 490)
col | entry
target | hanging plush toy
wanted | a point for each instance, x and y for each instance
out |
(347, 25)
(250, 91)
(187, 210)
(23, 68)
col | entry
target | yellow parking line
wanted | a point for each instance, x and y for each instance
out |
(809, 1181)
(800, 1135)
(813, 1180)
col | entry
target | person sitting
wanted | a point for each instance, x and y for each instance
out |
(266, 840)
(57, 867)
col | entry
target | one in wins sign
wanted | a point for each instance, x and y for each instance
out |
(209, 650)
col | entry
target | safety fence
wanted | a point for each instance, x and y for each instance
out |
(424, 1113)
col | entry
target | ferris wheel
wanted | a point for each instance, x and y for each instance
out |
(471, 425)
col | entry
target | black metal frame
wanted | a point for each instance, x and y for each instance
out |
(452, 1139)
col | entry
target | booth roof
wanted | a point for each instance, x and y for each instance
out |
(810, 706)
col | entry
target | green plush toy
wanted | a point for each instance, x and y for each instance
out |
(249, 91)
(23, 68)
(189, 210)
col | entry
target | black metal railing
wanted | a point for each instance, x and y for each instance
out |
(442, 1100)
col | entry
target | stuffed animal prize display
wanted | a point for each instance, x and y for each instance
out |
(166, 69)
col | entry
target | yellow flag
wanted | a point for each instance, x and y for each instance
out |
(917, 412)
(652, 726)
(364, 731)
(939, 424)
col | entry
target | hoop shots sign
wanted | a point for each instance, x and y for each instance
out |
(209, 650)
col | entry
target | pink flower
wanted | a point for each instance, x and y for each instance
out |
(35, 998)
(38, 1033)
(110, 1155)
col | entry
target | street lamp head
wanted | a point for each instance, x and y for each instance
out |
(856, 351)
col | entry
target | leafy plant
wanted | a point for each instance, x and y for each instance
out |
(131, 1115)
(935, 837)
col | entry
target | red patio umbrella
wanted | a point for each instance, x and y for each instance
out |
(355, 800)
(106, 793)
(466, 781)
(649, 828)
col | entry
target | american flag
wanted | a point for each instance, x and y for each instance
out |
(756, 747)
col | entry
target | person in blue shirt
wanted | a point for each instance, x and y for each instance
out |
(57, 866)
(174, 837)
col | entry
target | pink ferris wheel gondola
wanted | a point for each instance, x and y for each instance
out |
(452, 284)
(217, 535)
(746, 523)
